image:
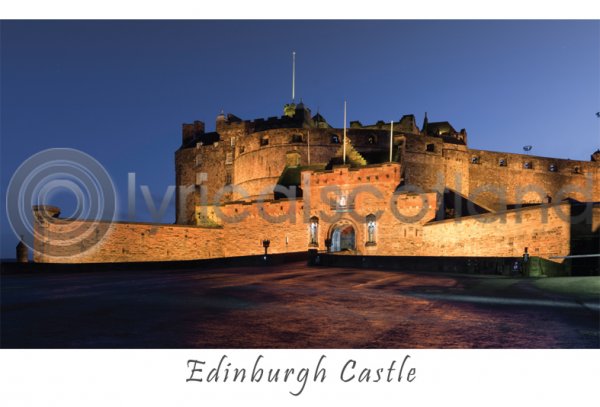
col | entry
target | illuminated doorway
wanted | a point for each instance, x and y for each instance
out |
(343, 238)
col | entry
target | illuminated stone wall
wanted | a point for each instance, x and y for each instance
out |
(429, 164)
(60, 241)
(545, 231)
(405, 223)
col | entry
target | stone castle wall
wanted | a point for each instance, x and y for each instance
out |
(477, 174)
(405, 225)
(430, 164)
(286, 225)
(531, 185)
(257, 167)
(232, 225)
(545, 231)
(59, 241)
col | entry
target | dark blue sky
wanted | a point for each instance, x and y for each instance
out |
(119, 90)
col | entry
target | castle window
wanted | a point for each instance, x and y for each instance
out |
(201, 177)
(552, 168)
(314, 231)
(228, 178)
(335, 139)
(527, 165)
(242, 149)
(198, 160)
(371, 228)
(264, 141)
(474, 160)
(577, 170)
(502, 162)
(297, 138)
(430, 148)
(372, 140)
(229, 158)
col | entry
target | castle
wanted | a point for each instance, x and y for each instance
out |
(380, 189)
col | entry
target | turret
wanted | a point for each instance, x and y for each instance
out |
(220, 121)
(190, 131)
(46, 211)
(22, 252)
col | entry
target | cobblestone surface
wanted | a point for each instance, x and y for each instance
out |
(288, 306)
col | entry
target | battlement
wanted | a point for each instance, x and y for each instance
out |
(531, 162)
(347, 175)
(407, 125)
(300, 118)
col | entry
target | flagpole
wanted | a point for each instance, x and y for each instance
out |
(344, 147)
(293, 76)
(391, 139)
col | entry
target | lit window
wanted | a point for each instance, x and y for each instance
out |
(552, 168)
(335, 139)
(314, 231)
(371, 227)
(201, 177)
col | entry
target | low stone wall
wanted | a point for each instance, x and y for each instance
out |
(64, 241)
(544, 230)
(7, 268)
(508, 266)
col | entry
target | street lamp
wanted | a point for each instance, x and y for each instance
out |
(266, 244)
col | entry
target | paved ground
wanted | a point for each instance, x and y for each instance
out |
(291, 306)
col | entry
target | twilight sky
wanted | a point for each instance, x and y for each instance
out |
(120, 90)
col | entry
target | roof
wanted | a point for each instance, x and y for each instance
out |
(440, 128)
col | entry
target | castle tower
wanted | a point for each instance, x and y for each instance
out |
(22, 252)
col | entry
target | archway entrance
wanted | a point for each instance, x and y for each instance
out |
(343, 238)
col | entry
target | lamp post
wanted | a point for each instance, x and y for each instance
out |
(525, 267)
(266, 244)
